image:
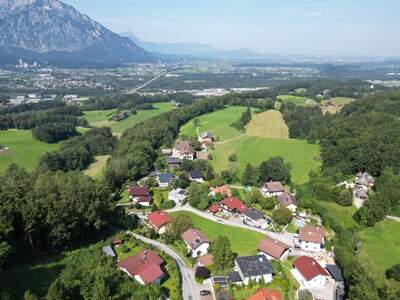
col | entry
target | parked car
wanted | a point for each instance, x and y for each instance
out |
(205, 293)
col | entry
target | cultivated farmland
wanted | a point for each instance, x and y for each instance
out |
(268, 124)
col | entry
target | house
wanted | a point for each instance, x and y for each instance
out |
(364, 181)
(166, 152)
(178, 195)
(158, 221)
(144, 267)
(254, 268)
(184, 150)
(206, 260)
(233, 205)
(266, 294)
(255, 218)
(214, 208)
(224, 190)
(309, 273)
(207, 135)
(140, 195)
(311, 238)
(174, 163)
(196, 176)
(337, 275)
(288, 201)
(109, 251)
(272, 189)
(164, 179)
(235, 278)
(273, 249)
(196, 242)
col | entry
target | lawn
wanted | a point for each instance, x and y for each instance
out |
(243, 241)
(339, 100)
(100, 118)
(24, 149)
(380, 248)
(301, 155)
(268, 124)
(343, 215)
(96, 168)
(217, 122)
(301, 101)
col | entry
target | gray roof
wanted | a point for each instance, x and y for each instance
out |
(335, 272)
(165, 178)
(256, 265)
(207, 134)
(234, 277)
(254, 214)
(174, 160)
(109, 251)
(195, 174)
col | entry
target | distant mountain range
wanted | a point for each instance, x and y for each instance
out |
(54, 32)
(192, 50)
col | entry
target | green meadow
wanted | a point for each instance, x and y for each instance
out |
(301, 101)
(24, 150)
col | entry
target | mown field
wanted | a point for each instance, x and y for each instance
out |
(96, 168)
(268, 124)
(301, 101)
(100, 118)
(380, 248)
(217, 122)
(338, 100)
(243, 241)
(24, 149)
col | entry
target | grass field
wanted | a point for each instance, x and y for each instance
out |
(380, 248)
(300, 101)
(243, 241)
(96, 168)
(343, 215)
(338, 100)
(24, 149)
(300, 154)
(99, 118)
(217, 122)
(268, 124)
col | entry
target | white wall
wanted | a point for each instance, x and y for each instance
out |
(317, 282)
(308, 246)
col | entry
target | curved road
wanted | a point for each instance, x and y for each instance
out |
(190, 288)
(286, 238)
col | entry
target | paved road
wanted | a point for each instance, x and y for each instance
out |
(136, 89)
(190, 288)
(396, 219)
(286, 238)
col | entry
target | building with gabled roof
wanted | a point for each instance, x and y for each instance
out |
(158, 221)
(312, 238)
(196, 242)
(224, 190)
(266, 294)
(140, 195)
(254, 268)
(184, 150)
(309, 273)
(288, 201)
(255, 218)
(272, 189)
(233, 205)
(273, 249)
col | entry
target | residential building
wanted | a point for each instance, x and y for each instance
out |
(233, 205)
(196, 176)
(254, 268)
(235, 278)
(337, 275)
(273, 249)
(196, 242)
(214, 208)
(178, 195)
(364, 181)
(224, 191)
(266, 294)
(184, 150)
(255, 218)
(158, 221)
(109, 251)
(165, 179)
(144, 267)
(272, 189)
(174, 163)
(140, 195)
(311, 238)
(288, 201)
(309, 273)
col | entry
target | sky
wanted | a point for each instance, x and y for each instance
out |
(299, 27)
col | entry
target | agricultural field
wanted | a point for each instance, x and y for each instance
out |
(100, 118)
(268, 124)
(243, 241)
(96, 168)
(297, 100)
(380, 248)
(302, 156)
(334, 105)
(24, 149)
(217, 122)
(338, 100)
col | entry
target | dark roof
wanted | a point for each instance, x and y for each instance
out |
(254, 214)
(335, 272)
(108, 250)
(174, 160)
(165, 178)
(137, 191)
(286, 199)
(234, 277)
(256, 265)
(195, 174)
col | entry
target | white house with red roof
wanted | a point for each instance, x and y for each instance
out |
(273, 249)
(158, 221)
(311, 238)
(233, 205)
(144, 267)
(309, 273)
(140, 195)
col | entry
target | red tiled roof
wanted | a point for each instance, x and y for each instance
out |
(214, 208)
(146, 264)
(146, 199)
(137, 191)
(158, 218)
(309, 268)
(272, 247)
(184, 147)
(234, 204)
(312, 234)
(206, 260)
(224, 190)
(265, 294)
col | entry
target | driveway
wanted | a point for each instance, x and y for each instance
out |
(286, 237)
(190, 288)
